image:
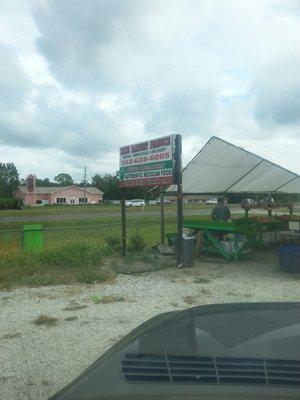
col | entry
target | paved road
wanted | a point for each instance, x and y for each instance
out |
(130, 214)
(59, 217)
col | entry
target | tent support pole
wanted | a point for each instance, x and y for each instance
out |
(178, 163)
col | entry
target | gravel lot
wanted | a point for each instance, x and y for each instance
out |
(36, 361)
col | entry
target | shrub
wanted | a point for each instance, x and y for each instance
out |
(75, 254)
(114, 242)
(91, 275)
(136, 242)
(8, 203)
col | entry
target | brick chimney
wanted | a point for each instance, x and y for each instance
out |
(30, 181)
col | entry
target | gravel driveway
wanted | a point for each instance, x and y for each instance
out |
(38, 360)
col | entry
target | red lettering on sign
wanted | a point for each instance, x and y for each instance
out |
(160, 142)
(139, 147)
(124, 150)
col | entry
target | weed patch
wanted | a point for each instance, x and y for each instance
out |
(205, 291)
(97, 299)
(201, 280)
(136, 242)
(189, 300)
(45, 319)
(114, 242)
(71, 319)
(75, 307)
(11, 335)
(79, 261)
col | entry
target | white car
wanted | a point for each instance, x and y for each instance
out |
(212, 201)
(135, 203)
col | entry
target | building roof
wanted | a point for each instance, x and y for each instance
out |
(54, 189)
(222, 167)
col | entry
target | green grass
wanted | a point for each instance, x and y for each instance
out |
(80, 261)
(88, 209)
(58, 232)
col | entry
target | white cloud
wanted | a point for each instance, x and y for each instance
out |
(82, 77)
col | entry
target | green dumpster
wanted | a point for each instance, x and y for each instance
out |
(32, 237)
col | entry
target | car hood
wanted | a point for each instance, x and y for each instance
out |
(220, 351)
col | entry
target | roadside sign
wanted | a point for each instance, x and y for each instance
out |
(149, 163)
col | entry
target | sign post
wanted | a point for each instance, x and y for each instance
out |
(123, 214)
(178, 181)
(150, 163)
(162, 218)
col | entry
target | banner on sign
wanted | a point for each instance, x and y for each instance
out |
(149, 163)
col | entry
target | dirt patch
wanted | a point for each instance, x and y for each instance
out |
(146, 261)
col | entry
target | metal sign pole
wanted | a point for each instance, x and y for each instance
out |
(162, 217)
(178, 167)
(123, 212)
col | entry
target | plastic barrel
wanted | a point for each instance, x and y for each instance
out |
(188, 247)
(289, 257)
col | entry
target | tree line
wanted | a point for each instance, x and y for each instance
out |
(108, 184)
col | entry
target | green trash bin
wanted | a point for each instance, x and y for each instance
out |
(32, 238)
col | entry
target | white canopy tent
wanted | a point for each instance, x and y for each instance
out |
(222, 167)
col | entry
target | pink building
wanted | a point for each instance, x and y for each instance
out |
(63, 195)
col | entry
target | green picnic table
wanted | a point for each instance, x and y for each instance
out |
(212, 231)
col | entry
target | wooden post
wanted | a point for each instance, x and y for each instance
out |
(162, 217)
(199, 242)
(178, 171)
(123, 215)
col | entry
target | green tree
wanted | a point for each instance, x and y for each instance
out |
(45, 182)
(9, 179)
(109, 184)
(64, 179)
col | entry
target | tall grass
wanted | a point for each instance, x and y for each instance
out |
(74, 261)
(77, 261)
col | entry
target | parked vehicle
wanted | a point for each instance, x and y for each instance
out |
(212, 201)
(157, 202)
(135, 203)
(246, 203)
(266, 201)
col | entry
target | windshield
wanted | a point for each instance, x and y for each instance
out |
(149, 164)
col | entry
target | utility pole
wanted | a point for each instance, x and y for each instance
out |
(84, 185)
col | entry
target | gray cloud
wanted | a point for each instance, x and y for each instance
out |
(76, 38)
(185, 110)
(13, 82)
(278, 94)
(121, 70)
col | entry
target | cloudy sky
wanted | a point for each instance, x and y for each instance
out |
(79, 78)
